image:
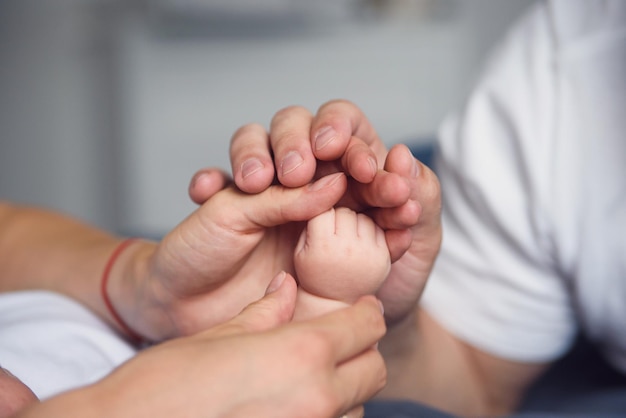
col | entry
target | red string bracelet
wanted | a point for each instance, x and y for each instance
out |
(136, 338)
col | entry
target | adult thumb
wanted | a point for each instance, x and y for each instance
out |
(273, 309)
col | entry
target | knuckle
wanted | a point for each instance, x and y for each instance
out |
(287, 113)
(327, 401)
(334, 103)
(315, 347)
(289, 137)
(375, 321)
(245, 131)
(319, 342)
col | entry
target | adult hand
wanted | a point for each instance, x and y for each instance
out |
(255, 365)
(403, 197)
(219, 259)
(14, 394)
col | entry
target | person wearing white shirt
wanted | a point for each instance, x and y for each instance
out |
(533, 183)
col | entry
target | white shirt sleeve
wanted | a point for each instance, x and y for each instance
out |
(54, 344)
(496, 284)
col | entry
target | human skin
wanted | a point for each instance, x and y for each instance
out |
(255, 365)
(398, 192)
(341, 255)
(14, 395)
(426, 363)
(174, 287)
(71, 255)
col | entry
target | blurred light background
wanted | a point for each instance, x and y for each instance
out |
(107, 107)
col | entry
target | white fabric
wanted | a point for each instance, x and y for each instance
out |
(533, 176)
(53, 344)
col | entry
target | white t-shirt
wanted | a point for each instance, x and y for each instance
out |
(53, 344)
(533, 175)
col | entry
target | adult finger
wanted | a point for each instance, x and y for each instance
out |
(233, 211)
(352, 330)
(359, 161)
(205, 183)
(398, 242)
(360, 378)
(250, 158)
(387, 190)
(356, 412)
(423, 182)
(283, 205)
(233, 223)
(399, 221)
(274, 309)
(336, 124)
(395, 196)
(363, 373)
(289, 139)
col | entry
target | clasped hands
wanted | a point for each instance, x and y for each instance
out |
(224, 255)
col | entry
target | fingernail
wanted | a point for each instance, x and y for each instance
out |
(325, 181)
(324, 136)
(275, 283)
(250, 166)
(292, 160)
(198, 178)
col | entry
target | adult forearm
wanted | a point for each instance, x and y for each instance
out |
(41, 249)
(73, 403)
(425, 367)
(429, 365)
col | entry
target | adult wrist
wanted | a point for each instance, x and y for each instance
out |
(124, 288)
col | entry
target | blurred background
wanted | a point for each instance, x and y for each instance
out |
(108, 107)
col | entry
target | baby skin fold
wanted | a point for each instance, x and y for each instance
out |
(341, 255)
